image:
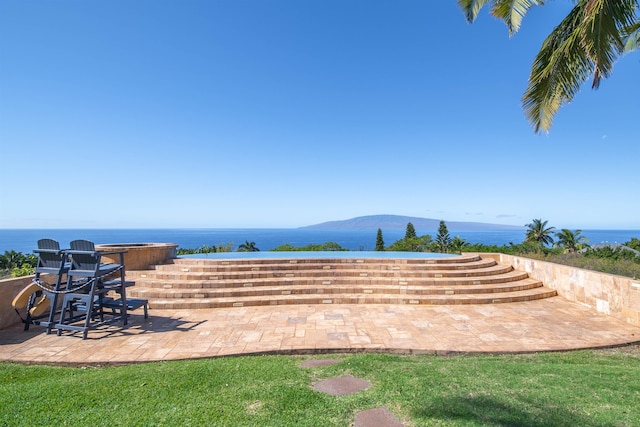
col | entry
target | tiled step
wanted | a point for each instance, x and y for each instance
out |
(199, 266)
(320, 273)
(510, 276)
(206, 283)
(462, 259)
(335, 289)
(493, 298)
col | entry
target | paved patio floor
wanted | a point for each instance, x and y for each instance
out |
(543, 325)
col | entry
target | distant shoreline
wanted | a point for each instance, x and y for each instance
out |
(399, 222)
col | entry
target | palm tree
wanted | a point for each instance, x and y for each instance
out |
(457, 244)
(248, 246)
(537, 231)
(586, 43)
(572, 241)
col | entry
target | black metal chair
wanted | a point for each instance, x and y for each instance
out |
(41, 296)
(88, 281)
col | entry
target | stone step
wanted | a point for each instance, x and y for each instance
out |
(492, 298)
(209, 283)
(307, 273)
(167, 283)
(458, 259)
(218, 266)
(151, 293)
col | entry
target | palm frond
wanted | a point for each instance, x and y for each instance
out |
(632, 37)
(558, 71)
(471, 8)
(601, 33)
(512, 12)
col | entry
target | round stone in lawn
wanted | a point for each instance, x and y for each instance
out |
(341, 386)
(377, 417)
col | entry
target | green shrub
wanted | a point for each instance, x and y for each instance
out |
(23, 270)
(412, 244)
(312, 247)
(205, 249)
(633, 244)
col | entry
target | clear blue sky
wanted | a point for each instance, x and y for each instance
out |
(284, 113)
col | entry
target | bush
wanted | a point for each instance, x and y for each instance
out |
(412, 244)
(24, 270)
(205, 249)
(312, 247)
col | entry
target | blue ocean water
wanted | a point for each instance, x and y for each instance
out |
(24, 240)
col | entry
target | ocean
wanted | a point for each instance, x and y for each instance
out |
(25, 240)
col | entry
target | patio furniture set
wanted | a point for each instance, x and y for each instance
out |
(76, 290)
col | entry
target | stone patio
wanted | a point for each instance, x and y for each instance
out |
(531, 326)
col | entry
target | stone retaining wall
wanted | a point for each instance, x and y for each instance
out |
(616, 296)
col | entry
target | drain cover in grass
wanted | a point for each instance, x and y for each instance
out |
(377, 417)
(341, 386)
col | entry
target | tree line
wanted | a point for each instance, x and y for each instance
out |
(541, 241)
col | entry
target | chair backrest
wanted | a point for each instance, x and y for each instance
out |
(50, 257)
(84, 256)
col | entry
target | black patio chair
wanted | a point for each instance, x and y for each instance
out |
(40, 299)
(88, 281)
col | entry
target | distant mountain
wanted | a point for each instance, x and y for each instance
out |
(399, 222)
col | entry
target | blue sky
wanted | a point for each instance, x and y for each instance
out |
(285, 113)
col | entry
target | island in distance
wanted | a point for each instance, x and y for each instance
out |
(399, 222)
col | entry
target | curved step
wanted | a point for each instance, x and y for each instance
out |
(268, 291)
(209, 283)
(494, 298)
(284, 265)
(284, 282)
(353, 258)
(325, 272)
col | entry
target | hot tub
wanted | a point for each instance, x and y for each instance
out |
(141, 256)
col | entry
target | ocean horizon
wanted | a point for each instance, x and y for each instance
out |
(25, 240)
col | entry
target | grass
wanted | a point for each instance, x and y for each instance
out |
(586, 388)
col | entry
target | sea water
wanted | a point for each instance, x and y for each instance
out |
(25, 240)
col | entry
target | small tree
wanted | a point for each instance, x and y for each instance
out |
(379, 241)
(248, 246)
(410, 233)
(414, 244)
(457, 244)
(571, 241)
(537, 231)
(443, 240)
(634, 243)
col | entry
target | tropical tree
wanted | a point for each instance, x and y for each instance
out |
(537, 231)
(12, 259)
(379, 241)
(443, 241)
(413, 244)
(410, 233)
(248, 246)
(586, 43)
(634, 243)
(571, 241)
(457, 244)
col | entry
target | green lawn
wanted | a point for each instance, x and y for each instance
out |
(584, 388)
